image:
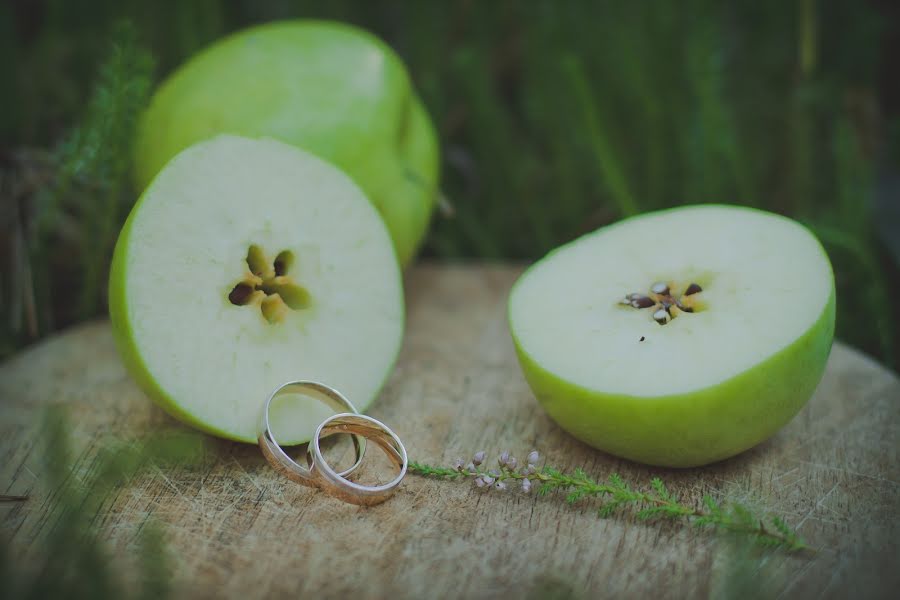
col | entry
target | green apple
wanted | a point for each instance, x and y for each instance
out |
(330, 88)
(677, 338)
(246, 264)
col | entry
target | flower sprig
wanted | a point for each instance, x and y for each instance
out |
(655, 502)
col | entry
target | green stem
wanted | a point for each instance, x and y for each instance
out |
(739, 520)
(7, 498)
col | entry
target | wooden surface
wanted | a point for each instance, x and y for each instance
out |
(240, 530)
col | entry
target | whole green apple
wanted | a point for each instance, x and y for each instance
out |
(329, 88)
(677, 338)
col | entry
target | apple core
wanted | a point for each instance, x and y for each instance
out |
(269, 285)
(668, 300)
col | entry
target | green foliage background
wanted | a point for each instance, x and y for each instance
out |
(556, 117)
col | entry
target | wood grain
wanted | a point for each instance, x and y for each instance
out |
(239, 530)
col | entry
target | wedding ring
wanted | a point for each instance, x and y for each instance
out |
(276, 455)
(375, 431)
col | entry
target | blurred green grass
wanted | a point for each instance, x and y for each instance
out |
(555, 118)
(65, 554)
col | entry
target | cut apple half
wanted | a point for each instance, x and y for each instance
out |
(677, 338)
(247, 264)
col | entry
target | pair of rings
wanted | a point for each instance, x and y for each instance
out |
(317, 472)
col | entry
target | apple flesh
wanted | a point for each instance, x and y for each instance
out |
(329, 88)
(244, 265)
(677, 338)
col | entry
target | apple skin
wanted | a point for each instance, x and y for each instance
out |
(698, 428)
(332, 89)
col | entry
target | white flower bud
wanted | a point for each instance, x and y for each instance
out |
(533, 457)
(526, 485)
(504, 457)
(479, 457)
(458, 464)
(470, 468)
(512, 462)
(488, 480)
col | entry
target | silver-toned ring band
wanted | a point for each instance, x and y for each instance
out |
(276, 455)
(373, 430)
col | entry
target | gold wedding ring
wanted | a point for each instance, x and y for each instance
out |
(273, 451)
(318, 473)
(373, 430)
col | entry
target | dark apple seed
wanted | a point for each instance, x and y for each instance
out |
(660, 287)
(642, 302)
(642, 339)
(692, 289)
(283, 262)
(240, 294)
(661, 316)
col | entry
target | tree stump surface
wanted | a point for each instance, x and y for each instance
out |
(238, 529)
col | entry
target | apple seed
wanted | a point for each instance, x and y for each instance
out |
(642, 301)
(241, 293)
(283, 262)
(660, 288)
(692, 289)
(661, 316)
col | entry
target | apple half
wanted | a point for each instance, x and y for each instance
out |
(244, 265)
(677, 338)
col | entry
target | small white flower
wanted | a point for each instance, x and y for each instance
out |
(512, 462)
(526, 485)
(504, 458)
(488, 480)
(479, 482)
(470, 467)
(533, 457)
(478, 458)
(458, 464)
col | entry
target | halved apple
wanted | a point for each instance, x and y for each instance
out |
(677, 338)
(246, 264)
